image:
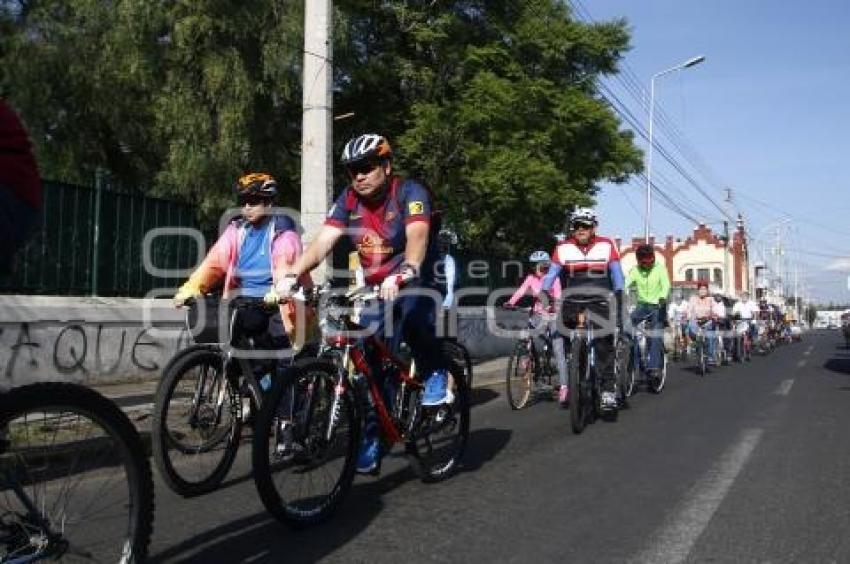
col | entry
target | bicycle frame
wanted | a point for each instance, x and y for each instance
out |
(353, 361)
(233, 367)
(641, 343)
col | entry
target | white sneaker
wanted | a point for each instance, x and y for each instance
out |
(609, 401)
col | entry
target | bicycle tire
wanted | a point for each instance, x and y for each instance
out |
(120, 444)
(701, 358)
(214, 455)
(577, 401)
(658, 386)
(431, 468)
(459, 354)
(317, 376)
(622, 371)
(520, 397)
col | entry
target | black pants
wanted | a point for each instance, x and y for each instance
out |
(604, 321)
(265, 328)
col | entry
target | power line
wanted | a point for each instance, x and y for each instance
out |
(632, 84)
(629, 117)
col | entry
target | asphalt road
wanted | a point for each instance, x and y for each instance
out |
(750, 464)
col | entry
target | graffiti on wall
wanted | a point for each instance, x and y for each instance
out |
(84, 350)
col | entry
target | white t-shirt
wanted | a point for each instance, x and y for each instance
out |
(678, 312)
(747, 310)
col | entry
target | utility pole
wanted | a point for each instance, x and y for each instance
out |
(727, 278)
(779, 260)
(796, 302)
(317, 131)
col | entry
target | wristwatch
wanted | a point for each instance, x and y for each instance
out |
(409, 268)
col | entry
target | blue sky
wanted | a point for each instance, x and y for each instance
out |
(767, 114)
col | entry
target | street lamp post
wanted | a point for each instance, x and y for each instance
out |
(689, 63)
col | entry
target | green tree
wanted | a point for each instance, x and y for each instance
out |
(494, 104)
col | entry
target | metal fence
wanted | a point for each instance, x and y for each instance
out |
(91, 243)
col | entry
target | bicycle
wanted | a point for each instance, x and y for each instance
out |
(329, 431)
(206, 395)
(721, 356)
(680, 346)
(74, 480)
(700, 347)
(585, 384)
(743, 341)
(638, 366)
(764, 343)
(531, 368)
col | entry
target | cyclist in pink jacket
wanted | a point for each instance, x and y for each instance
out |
(533, 283)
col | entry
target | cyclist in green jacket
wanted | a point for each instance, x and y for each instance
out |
(653, 286)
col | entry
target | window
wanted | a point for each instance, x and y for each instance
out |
(704, 274)
(718, 277)
(689, 275)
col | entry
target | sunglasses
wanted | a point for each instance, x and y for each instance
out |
(361, 167)
(252, 201)
(583, 226)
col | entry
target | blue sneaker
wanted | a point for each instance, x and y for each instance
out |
(436, 389)
(369, 458)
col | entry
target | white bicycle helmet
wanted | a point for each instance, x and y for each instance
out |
(539, 256)
(584, 216)
(368, 145)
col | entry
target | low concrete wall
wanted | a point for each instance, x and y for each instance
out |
(86, 340)
(97, 340)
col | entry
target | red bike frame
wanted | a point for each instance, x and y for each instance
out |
(358, 360)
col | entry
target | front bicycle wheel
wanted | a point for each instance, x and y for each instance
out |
(305, 444)
(579, 404)
(520, 376)
(702, 358)
(197, 424)
(75, 484)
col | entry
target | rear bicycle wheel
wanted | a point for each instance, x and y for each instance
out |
(438, 440)
(303, 481)
(579, 404)
(657, 383)
(197, 425)
(457, 353)
(520, 376)
(84, 486)
(623, 372)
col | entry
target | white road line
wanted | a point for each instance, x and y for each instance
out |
(680, 532)
(809, 350)
(801, 363)
(784, 388)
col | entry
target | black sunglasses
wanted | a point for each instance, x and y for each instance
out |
(252, 200)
